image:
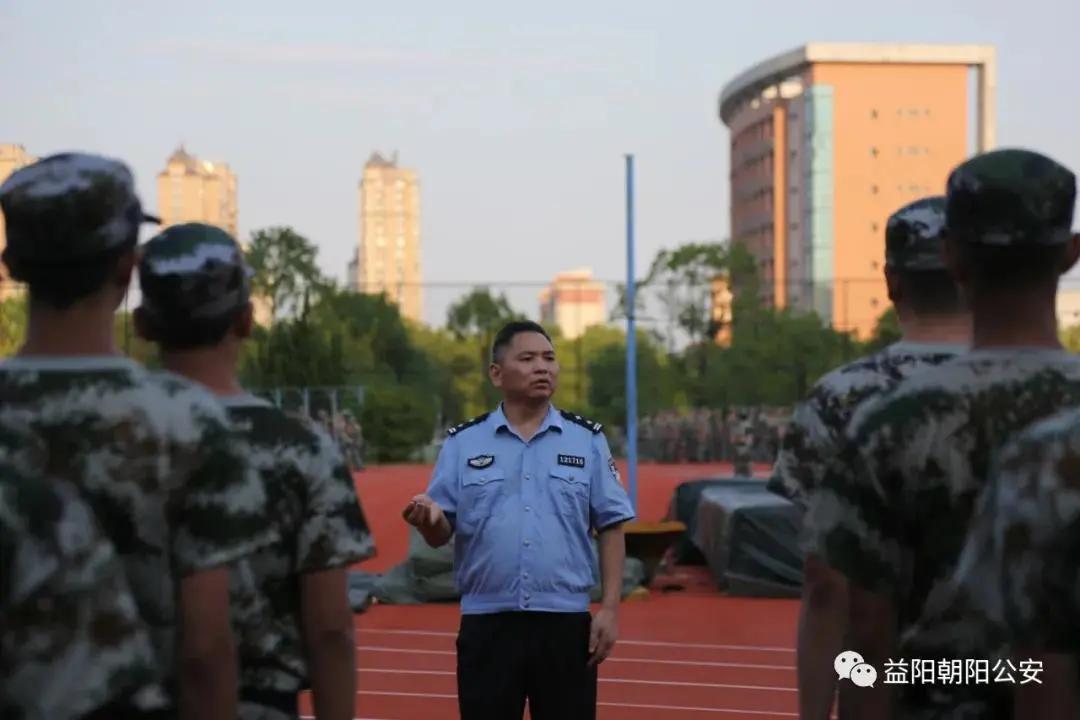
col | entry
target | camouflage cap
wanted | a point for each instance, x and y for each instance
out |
(70, 207)
(1010, 198)
(914, 235)
(193, 271)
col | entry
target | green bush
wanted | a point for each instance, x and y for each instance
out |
(398, 421)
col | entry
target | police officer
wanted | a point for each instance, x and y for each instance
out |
(152, 454)
(290, 604)
(521, 488)
(895, 503)
(936, 327)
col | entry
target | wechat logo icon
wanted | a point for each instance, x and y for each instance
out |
(850, 665)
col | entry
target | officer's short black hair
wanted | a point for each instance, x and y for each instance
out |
(186, 333)
(931, 292)
(61, 285)
(507, 334)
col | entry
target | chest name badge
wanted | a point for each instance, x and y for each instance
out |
(572, 460)
(481, 461)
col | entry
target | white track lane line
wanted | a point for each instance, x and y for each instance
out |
(636, 706)
(614, 681)
(700, 663)
(645, 643)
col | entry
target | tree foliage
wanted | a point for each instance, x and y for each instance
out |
(285, 271)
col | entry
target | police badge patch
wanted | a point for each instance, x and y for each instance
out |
(481, 461)
(614, 470)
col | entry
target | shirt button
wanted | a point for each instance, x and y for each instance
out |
(527, 477)
(526, 543)
(525, 575)
(527, 508)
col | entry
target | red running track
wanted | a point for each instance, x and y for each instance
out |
(683, 655)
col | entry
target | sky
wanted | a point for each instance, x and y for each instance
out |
(516, 117)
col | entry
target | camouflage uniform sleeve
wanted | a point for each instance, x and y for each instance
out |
(334, 531)
(72, 640)
(852, 523)
(221, 513)
(807, 443)
(1036, 546)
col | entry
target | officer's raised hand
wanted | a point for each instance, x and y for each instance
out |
(425, 515)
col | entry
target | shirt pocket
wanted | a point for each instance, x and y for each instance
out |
(481, 490)
(571, 493)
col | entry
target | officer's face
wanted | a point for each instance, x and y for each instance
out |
(528, 368)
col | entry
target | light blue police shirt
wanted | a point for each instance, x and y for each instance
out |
(522, 512)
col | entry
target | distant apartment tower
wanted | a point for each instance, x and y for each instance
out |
(826, 142)
(573, 302)
(194, 190)
(387, 258)
(12, 157)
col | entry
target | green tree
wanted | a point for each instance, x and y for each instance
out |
(607, 381)
(285, 271)
(1070, 338)
(886, 332)
(398, 420)
(12, 324)
(476, 318)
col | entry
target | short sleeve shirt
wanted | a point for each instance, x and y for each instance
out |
(156, 459)
(71, 640)
(320, 525)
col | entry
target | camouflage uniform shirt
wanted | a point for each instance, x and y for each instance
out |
(816, 430)
(155, 459)
(70, 636)
(1021, 566)
(893, 510)
(318, 518)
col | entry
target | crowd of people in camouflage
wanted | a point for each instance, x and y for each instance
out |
(710, 436)
(173, 546)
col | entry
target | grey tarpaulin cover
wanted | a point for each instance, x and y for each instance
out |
(427, 575)
(749, 537)
(684, 508)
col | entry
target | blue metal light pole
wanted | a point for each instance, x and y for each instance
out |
(631, 340)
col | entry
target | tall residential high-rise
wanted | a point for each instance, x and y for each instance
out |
(387, 258)
(194, 190)
(827, 141)
(12, 157)
(573, 302)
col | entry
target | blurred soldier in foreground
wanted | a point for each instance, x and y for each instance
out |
(152, 455)
(523, 488)
(935, 328)
(893, 510)
(1021, 565)
(71, 641)
(290, 605)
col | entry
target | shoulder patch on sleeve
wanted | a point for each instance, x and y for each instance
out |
(467, 424)
(591, 425)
